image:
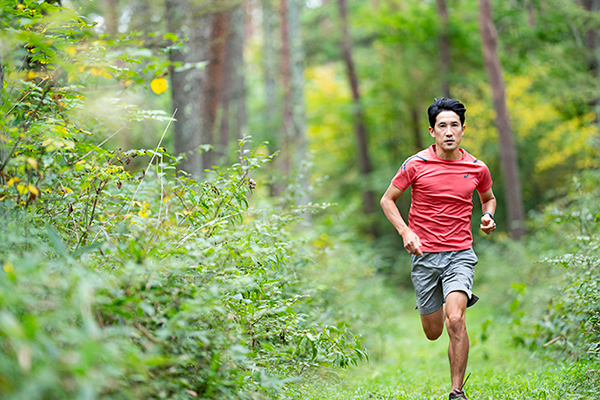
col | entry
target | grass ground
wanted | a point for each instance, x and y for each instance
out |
(405, 365)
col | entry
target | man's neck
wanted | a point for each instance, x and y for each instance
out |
(453, 155)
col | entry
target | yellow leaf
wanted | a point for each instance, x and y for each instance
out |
(8, 267)
(14, 180)
(21, 188)
(33, 190)
(159, 85)
(70, 50)
(32, 163)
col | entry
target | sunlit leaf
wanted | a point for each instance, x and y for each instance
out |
(159, 85)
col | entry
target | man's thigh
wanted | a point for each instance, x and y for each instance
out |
(459, 272)
(426, 271)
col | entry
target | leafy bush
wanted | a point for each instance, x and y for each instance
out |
(120, 283)
(573, 316)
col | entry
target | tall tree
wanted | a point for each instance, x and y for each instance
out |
(298, 128)
(444, 43)
(364, 161)
(239, 81)
(415, 115)
(214, 78)
(3, 154)
(508, 151)
(233, 92)
(226, 91)
(188, 20)
(141, 14)
(268, 62)
(111, 16)
(593, 46)
(286, 78)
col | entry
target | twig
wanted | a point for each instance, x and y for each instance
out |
(162, 187)
(104, 141)
(223, 199)
(556, 339)
(150, 163)
(211, 222)
(12, 151)
(18, 102)
(147, 334)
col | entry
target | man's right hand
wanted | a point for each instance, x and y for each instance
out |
(412, 243)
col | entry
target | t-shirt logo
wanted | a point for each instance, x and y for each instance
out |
(466, 175)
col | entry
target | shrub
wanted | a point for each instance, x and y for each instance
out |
(573, 316)
(120, 283)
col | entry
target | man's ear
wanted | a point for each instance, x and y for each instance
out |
(431, 132)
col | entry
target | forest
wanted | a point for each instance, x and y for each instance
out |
(189, 197)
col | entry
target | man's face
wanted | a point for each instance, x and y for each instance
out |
(448, 131)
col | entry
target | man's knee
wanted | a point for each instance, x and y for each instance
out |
(455, 322)
(433, 324)
(433, 334)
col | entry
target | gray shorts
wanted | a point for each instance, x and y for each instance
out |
(435, 275)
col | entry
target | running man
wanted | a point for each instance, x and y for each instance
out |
(438, 236)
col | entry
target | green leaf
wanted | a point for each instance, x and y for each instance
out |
(87, 249)
(171, 36)
(57, 242)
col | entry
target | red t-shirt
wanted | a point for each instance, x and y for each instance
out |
(442, 197)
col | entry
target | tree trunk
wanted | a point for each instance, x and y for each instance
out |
(3, 151)
(214, 77)
(593, 45)
(286, 76)
(184, 19)
(414, 113)
(226, 94)
(238, 110)
(364, 162)
(530, 14)
(268, 64)
(111, 17)
(508, 151)
(141, 15)
(444, 43)
(297, 85)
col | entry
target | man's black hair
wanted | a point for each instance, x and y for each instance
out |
(444, 104)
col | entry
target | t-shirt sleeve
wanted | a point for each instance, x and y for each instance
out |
(485, 183)
(404, 176)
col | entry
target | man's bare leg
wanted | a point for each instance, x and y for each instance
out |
(458, 350)
(433, 323)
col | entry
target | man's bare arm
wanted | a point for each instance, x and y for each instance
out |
(412, 243)
(488, 205)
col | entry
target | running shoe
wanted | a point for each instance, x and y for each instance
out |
(458, 394)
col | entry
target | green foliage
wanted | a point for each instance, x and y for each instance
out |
(120, 283)
(572, 321)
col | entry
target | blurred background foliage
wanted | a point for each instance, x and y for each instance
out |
(188, 187)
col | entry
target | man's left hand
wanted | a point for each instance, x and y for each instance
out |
(487, 224)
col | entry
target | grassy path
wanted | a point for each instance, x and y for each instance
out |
(408, 366)
(405, 365)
